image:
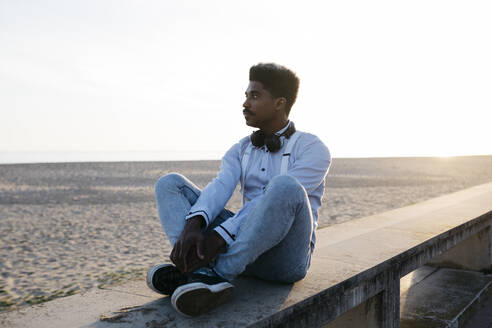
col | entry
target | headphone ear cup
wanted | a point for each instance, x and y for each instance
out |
(273, 143)
(257, 138)
(290, 131)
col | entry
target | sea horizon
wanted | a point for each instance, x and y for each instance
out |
(44, 157)
(40, 157)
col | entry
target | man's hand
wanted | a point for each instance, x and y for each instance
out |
(191, 238)
(212, 245)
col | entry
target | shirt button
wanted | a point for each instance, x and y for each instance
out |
(263, 169)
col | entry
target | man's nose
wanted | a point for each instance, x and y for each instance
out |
(246, 104)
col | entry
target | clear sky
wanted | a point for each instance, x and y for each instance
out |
(378, 78)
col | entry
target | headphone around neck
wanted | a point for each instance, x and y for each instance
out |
(272, 142)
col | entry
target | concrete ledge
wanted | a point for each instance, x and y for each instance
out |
(353, 263)
(133, 305)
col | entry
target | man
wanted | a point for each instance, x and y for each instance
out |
(272, 237)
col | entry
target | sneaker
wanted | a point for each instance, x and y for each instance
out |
(201, 294)
(165, 278)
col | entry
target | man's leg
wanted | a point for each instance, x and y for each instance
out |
(192, 294)
(274, 241)
(175, 195)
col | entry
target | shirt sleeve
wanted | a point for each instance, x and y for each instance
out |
(229, 228)
(311, 164)
(217, 193)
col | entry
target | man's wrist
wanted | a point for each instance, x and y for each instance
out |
(220, 242)
(196, 221)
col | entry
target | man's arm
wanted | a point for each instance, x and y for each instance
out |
(311, 163)
(218, 192)
(193, 247)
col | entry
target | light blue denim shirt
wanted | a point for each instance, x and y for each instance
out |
(309, 162)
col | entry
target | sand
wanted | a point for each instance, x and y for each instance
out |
(69, 228)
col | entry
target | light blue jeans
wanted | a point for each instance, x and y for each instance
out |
(274, 240)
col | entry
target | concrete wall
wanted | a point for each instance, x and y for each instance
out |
(474, 253)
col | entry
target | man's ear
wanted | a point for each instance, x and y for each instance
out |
(280, 103)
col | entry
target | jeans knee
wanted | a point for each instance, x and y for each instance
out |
(285, 184)
(292, 277)
(170, 180)
(298, 276)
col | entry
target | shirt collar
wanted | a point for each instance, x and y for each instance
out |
(283, 129)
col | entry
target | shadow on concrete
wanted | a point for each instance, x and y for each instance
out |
(252, 300)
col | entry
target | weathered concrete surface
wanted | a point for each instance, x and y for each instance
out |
(445, 298)
(430, 298)
(365, 315)
(471, 254)
(353, 262)
(483, 317)
(134, 305)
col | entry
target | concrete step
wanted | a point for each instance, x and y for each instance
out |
(438, 297)
(483, 317)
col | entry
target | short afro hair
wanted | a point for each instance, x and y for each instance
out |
(278, 80)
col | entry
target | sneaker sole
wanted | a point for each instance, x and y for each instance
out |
(197, 298)
(151, 273)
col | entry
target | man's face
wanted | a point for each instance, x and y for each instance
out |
(259, 106)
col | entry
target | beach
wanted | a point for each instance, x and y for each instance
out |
(67, 228)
